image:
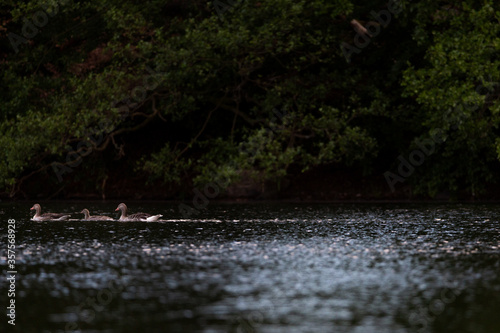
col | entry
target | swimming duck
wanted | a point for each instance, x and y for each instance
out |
(47, 216)
(86, 213)
(137, 216)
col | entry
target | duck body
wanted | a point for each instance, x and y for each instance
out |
(86, 213)
(47, 216)
(144, 217)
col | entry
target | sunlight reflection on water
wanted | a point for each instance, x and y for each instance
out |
(287, 267)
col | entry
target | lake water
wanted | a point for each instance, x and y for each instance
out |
(257, 268)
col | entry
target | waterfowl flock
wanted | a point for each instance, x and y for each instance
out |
(143, 217)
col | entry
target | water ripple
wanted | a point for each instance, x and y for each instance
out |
(266, 268)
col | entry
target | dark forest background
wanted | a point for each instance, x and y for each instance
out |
(290, 99)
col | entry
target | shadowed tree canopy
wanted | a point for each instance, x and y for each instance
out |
(111, 96)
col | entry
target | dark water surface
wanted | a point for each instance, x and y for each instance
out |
(257, 268)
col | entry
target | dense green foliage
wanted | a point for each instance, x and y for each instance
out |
(181, 91)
